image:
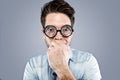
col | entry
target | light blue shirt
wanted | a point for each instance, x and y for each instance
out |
(83, 65)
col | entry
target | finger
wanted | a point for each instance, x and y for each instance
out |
(52, 44)
(59, 43)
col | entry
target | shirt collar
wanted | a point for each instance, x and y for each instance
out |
(71, 54)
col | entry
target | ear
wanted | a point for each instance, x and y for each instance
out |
(72, 34)
(43, 34)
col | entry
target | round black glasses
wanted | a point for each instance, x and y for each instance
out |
(51, 31)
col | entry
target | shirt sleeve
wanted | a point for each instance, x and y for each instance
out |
(92, 71)
(29, 72)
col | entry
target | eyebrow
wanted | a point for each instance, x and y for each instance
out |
(61, 26)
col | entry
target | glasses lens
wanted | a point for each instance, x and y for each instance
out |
(50, 31)
(66, 30)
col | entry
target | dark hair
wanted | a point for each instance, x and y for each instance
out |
(57, 6)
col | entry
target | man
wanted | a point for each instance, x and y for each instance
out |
(60, 61)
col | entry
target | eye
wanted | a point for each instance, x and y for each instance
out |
(66, 30)
(50, 31)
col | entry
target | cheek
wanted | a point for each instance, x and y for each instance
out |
(48, 40)
(68, 40)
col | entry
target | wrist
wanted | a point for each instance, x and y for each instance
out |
(65, 74)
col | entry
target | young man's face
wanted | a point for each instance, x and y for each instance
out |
(58, 20)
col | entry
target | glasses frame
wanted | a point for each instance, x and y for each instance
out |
(58, 30)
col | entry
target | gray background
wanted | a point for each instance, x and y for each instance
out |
(97, 30)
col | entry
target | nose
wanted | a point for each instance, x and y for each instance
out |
(58, 36)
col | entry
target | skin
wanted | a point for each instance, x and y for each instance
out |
(58, 47)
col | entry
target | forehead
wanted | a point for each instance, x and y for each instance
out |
(57, 19)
